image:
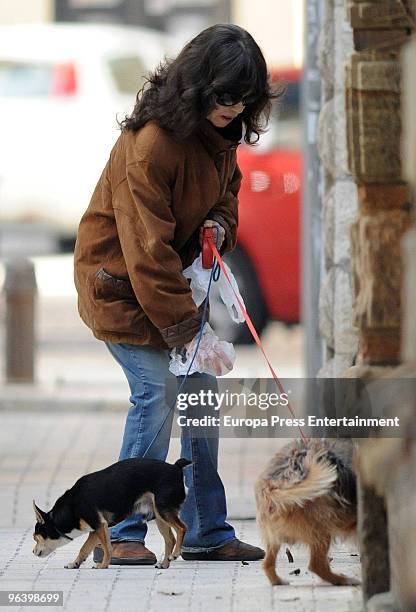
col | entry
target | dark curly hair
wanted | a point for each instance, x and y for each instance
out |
(181, 92)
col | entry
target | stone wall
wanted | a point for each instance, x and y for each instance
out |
(400, 487)
(339, 195)
(380, 124)
(373, 98)
(367, 147)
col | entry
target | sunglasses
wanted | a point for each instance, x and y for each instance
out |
(228, 99)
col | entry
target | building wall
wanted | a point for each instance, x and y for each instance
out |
(277, 26)
(379, 127)
(338, 194)
(25, 11)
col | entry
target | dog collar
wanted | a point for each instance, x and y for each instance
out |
(63, 535)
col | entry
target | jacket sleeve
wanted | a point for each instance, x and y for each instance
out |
(225, 212)
(146, 228)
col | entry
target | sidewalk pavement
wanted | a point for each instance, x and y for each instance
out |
(42, 453)
(186, 585)
(70, 422)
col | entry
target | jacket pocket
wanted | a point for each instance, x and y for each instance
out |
(115, 308)
(107, 286)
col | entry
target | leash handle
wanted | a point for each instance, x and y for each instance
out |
(207, 254)
(253, 332)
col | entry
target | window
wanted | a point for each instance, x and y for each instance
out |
(128, 73)
(25, 79)
(285, 128)
(288, 107)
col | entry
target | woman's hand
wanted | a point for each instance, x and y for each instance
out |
(211, 354)
(219, 239)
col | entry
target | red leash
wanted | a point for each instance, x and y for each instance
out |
(252, 330)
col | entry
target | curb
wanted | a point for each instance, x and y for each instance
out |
(38, 398)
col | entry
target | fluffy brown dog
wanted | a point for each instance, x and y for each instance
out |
(307, 494)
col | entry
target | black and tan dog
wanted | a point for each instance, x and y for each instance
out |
(307, 494)
(150, 487)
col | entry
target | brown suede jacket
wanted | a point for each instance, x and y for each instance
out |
(141, 230)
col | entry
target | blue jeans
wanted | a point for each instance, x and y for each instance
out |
(205, 510)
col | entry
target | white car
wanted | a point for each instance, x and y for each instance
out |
(62, 87)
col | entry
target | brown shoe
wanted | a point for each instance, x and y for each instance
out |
(232, 551)
(126, 553)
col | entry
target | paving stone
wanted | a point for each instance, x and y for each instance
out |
(185, 586)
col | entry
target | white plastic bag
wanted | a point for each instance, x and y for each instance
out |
(214, 356)
(199, 277)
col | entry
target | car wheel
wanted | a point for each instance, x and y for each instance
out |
(220, 320)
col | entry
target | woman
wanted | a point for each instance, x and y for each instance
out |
(172, 171)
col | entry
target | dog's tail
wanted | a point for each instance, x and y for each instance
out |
(308, 475)
(182, 463)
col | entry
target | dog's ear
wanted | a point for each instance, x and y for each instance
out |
(40, 515)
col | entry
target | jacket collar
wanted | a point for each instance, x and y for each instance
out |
(219, 140)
